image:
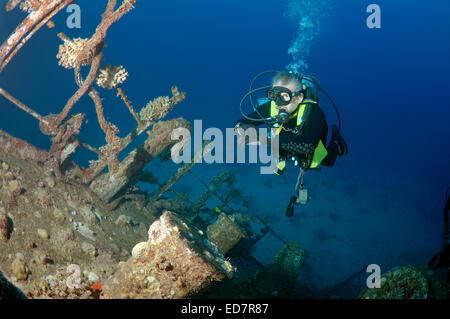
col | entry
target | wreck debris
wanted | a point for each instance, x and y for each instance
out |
(290, 258)
(67, 283)
(277, 280)
(408, 282)
(96, 167)
(177, 95)
(110, 77)
(108, 185)
(21, 105)
(64, 130)
(185, 168)
(84, 86)
(21, 149)
(224, 233)
(30, 6)
(30, 25)
(211, 189)
(178, 263)
(129, 106)
(12, 4)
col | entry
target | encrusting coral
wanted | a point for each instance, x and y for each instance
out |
(156, 109)
(70, 50)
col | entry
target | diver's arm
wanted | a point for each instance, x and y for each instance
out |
(306, 143)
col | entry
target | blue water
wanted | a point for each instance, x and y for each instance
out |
(380, 204)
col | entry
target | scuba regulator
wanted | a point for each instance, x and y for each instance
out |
(273, 93)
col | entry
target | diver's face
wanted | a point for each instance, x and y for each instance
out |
(292, 106)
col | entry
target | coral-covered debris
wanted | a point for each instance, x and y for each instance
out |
(290, 258)
(41, 13)
(274, 281)
(156, 109)
(407, 282)
(224, 233)
(67, 283)
(177, 262)
(108, 185)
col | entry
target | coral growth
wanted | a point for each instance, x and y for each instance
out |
(156, 109)
(70, 50)
(110, 76)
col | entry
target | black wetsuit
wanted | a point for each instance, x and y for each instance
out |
(300, 141)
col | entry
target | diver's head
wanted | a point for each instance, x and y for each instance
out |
(287, 92)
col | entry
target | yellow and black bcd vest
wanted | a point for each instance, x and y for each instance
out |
(319, 153)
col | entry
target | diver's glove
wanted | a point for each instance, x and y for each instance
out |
(246, 133)
(240, 128)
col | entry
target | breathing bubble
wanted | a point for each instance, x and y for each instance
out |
(307, 15)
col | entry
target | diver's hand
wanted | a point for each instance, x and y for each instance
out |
(246, 134)
(240, 128)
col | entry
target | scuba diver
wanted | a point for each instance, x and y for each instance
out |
(292, 111)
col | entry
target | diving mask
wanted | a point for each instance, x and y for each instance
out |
(281, 96)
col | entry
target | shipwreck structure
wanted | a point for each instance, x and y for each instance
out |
(57, 218)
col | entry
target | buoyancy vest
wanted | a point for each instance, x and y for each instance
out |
(320, 151)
